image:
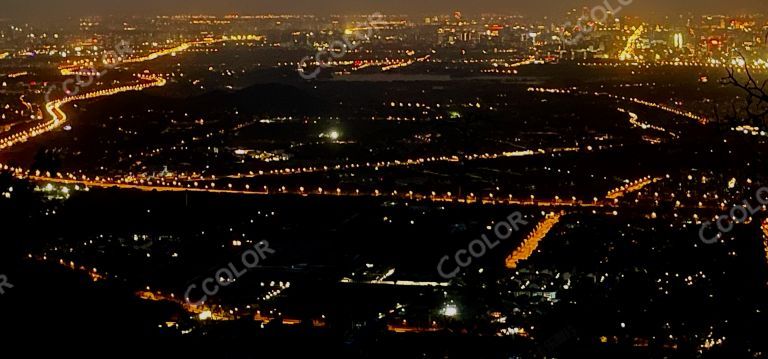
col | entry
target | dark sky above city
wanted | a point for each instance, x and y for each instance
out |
(53, 8)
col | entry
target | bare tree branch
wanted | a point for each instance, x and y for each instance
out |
(756, 97)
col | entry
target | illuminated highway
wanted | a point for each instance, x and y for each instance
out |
(58, 117)
(87, 67)
(634, 120)
(387, 164)
(529, 245)
(489, 199)
(630, 187)
(212, 187)
(675, 111)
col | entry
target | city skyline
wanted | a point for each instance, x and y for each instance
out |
(648, 8)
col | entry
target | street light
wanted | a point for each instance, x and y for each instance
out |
(450, 310)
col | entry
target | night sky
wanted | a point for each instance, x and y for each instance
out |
(56, 8)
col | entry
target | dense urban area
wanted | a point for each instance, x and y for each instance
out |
(589, 184)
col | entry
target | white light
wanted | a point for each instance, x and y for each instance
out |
(450, 310)
(334, 135)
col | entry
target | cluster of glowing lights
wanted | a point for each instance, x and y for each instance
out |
(635, 121)
(688, 114)
(508, 68)
(362, 64)
(396, 283)
(700, 119)
(203, 311)
(629, 51)
(499, 71)
(206, 312)
(281, 287)
(750, 130)
(248, 37)
(633, 186)
(551, 90)
(531, 242)
(383, 164)
(739, 64)
(161, 53)
(87, 67)
(92, 273)
(397, 65)
(764, 227)
(405, 63)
